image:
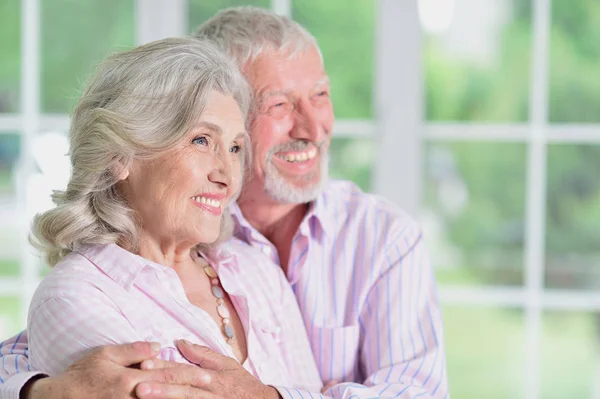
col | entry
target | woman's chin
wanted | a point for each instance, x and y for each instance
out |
(206, 239)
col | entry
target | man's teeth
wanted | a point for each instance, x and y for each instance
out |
(300, 156)
(207, 201)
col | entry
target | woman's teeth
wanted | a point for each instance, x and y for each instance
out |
(207, 201)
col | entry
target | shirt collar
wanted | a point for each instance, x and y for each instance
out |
(317, 211)
(122, 266)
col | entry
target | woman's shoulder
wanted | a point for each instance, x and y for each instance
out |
(74, 275)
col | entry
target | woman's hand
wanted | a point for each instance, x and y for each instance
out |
(214, 376)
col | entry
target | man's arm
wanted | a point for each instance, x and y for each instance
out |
(401, 324)
(106, 372)
(99, 375)
(15, 371)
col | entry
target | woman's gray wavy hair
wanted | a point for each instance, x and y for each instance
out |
(139, 104)
(246, 32)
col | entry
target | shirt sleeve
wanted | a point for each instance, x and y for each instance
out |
(401, 324)
(15, 370)
(63, 329)
(402, 350)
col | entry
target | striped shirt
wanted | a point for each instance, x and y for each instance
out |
(366, 290)
(365, 286)
(107, 295)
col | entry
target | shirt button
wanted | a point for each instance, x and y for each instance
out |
(266, 250)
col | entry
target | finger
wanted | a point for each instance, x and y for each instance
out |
(329, 385)
(203, 356)
(154, 390)
(154, 364)
(129, 354)
(185, 375)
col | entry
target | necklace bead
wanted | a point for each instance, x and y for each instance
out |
(219, 295)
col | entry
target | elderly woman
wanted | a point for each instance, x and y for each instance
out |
(140, 239)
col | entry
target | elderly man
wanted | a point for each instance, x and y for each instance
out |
(357, 263)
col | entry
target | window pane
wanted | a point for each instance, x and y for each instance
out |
(352, 159)
(573, 217)
(345, 32)
(484, 349)
(10, 318)
(477, 59)
(474, 211)
(76, 36)
(10, 146)
(574, 58)
(201, 10)
(569, 355)
(10, 43)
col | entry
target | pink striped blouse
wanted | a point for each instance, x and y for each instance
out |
(106, 295)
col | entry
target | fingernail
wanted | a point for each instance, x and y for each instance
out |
(144, 389)
(148, 364)
(155, 346)
(185, 342)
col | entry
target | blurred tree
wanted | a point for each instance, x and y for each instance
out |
(461, 91)
(10, 45)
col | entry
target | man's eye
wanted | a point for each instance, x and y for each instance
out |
(235, 149)
(200, 140)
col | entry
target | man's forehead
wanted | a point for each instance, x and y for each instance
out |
(284, 89)
(278, 67)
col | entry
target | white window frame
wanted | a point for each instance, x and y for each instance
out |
(537, 134)
(399, 128)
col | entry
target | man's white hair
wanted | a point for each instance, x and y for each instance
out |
(246, 32)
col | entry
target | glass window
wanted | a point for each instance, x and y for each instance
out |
(574, 59)
(10, 317)
(569, 355)
(346, 35)
(76, 36)
(477, 59)
(573, 217)
(10, 145)
(474, 195)
(352, 159)
(201, 10)
(10, 43)
(484, 348)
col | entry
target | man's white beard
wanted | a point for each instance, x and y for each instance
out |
(279, 189)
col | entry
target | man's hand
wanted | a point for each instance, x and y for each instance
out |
(215, 377)
(105, 373)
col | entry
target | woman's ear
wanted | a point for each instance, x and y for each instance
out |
(120, 171)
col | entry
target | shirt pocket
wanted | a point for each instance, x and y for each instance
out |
(336, 351)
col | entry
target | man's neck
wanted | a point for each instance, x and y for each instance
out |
(277, 222)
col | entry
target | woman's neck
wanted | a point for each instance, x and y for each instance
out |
(167, 253)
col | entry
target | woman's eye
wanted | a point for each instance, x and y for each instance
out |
(200, 140)
(235, 149)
